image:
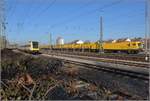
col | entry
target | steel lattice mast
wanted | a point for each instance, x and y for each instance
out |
(2, 24)
(147, 28)
(148, 23)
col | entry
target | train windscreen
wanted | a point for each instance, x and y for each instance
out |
(35, 44)
(140, 45)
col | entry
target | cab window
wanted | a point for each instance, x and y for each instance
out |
(140, 45)
(35, 44)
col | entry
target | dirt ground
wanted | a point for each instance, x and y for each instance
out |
(27, 77)
(33, 77)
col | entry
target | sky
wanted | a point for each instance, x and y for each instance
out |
(73, 19)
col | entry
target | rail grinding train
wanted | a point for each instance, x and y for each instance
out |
(130, 47)
(113, 47)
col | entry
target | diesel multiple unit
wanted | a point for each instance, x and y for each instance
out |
(32, 47)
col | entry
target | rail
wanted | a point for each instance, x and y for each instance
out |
(108, 60)
(102, 65)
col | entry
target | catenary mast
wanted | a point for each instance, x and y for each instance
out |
(2, 24)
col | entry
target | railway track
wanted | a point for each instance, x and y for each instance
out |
(132, 57)
(108, 60)
(116, 71)
(131, 71)
(108, 77)
(111, 76)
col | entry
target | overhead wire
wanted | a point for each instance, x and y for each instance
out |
(128, 16)
(72, 19)
(28, 13)
(20, 25)
(123, 23)
(12, 13)
(9, 7)
(43, 11)
(13, 8)
(82, 7)
(87, 13)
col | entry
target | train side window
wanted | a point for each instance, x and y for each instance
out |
(134, 44)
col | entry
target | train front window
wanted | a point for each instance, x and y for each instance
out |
(140, 45)
(35, 44)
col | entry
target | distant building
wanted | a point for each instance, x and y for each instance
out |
(124, 39)
(77, 42)
(114, 41)
(136, 39)
(128, 40)
(109, 41)
(59, 41)
(87, 41)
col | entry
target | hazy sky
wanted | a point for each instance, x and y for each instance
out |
(74, 19)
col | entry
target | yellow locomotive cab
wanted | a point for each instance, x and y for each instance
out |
(130, 47)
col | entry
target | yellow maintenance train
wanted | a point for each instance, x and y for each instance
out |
(111, 47)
